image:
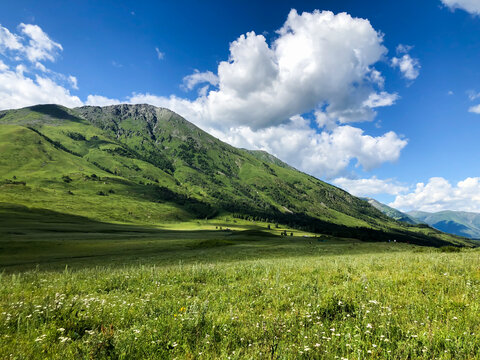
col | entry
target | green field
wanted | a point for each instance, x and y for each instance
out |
(137, 292)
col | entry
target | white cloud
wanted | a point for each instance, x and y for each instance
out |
(380, 99)
(29, 82)
(18, 90)
(160, 55)
(471, 6)
(369, 187)
(8, 41)
(409, 66)
(438, 194)
(192, 80)
(98, 100)
(3, 66)
(475, 109)
(40, 46)
(73, 82)
(318, 61)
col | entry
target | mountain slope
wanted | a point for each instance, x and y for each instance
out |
(142, 164)
(393, 213)
(460, 223)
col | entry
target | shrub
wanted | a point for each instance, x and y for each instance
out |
(450, 249)
(67, 179)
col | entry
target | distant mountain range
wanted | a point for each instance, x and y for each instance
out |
(143, 164)
(459, 223)
(454, 222)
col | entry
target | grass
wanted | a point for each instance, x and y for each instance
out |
(350, 301)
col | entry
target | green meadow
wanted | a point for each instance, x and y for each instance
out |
(73, 288)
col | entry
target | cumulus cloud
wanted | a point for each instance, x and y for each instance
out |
(471, 6)
(438, 194)
(26, 81)
(370, 186)
(192, 80)
(409, 66)
(18, 90)
(317, 61)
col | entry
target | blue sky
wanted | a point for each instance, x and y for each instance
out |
(380, 100)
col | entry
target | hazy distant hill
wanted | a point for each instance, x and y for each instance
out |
(454, 222)
(143, 164)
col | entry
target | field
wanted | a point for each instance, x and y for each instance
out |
(133, 292)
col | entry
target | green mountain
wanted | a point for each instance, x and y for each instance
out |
(460, 223)
(146, 165)
(393, 213)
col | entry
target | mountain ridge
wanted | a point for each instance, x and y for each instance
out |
(155, 166)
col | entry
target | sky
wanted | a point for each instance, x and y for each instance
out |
(380, 98)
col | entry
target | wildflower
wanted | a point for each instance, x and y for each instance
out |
(369, 326)
(41, 338)
(63, 339)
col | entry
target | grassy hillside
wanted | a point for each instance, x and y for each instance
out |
(145, 165)
(393, 213)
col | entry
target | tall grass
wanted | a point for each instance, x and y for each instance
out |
(405, 305)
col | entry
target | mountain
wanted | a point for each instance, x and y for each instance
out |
(148, 165)
(460, 223)
(393, 213)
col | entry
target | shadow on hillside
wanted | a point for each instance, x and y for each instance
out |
(55, 111)
(21, 220)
